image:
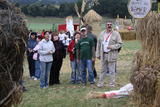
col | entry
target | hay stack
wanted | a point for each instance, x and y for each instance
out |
(127, 35)
(146, 67)
(13, 34)
(93, 19)
(124, 23)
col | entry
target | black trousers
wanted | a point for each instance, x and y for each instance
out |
(31, 64)
(55, 72)
(94, 69)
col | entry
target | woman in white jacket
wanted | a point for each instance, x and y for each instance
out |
(46, 49)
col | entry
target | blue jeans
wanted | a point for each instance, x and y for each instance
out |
(87, 64)
(45, 70)
(37, 69)
(75, 75)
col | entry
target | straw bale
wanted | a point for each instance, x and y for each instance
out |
(127, 35)
(96, 28)
(146, 65)
(124, 22)
(13, 36)
(91, 17)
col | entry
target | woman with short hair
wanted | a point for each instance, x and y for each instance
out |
(46, 49)
(58, 59)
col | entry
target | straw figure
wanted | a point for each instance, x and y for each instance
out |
(13, 35)
(80, 10)
(93, 19)
(146, 65)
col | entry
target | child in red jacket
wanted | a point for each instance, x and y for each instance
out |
(73, 53)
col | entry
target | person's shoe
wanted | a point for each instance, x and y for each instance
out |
(100, 85)
(111, 85)
(71, 82)
(24, 89)
(83, 85)
(92, 86)
(35, 79)
(94, 80)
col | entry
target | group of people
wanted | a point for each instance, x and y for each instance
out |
(45, 55)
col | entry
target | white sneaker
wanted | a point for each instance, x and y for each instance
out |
(35, 79)
(100, 85)
(111, 85)
(94, 80)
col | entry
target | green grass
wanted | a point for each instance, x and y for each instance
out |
(67, 95)
(39, 23)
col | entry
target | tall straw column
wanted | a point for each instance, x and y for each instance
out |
(146, 65)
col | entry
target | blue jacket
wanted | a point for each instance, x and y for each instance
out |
(30, 45)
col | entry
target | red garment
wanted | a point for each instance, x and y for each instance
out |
(42, 34)
(70, 50)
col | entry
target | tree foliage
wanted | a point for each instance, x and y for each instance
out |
(110, 8)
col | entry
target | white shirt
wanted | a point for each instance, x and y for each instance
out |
(62, 36)
(44, 48)
(106, 42)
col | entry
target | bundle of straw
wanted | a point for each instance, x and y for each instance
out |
(92, 16)
(146, 65)
(13, 36)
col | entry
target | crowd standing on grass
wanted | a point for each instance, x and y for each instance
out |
(46, 51)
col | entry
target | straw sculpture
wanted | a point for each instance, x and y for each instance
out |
(146, 65)
(93, 19)
(13, 36)
(92, 16)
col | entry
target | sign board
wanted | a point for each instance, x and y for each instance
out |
(139, 8)
(154, 1)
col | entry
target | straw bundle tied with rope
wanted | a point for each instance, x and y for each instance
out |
(146, 65)
(93, 19)
(92, 16)
(13, 36)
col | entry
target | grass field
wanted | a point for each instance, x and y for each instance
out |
(67, 95)
(39, 23)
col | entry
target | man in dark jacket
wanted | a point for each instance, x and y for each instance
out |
(94, 38)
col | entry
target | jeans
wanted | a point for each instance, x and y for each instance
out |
(37, 69)
(76, 74)
(87, 64)
(45, 70)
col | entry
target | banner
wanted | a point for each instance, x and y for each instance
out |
(139, 8)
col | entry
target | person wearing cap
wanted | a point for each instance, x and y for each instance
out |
(85, 46)
(108, 44)
(30, 46)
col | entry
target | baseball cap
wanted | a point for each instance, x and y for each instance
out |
(83, 29)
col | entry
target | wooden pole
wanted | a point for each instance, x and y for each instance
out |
(158, 6)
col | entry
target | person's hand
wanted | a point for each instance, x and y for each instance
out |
(93, 59)
(78, 61)
(73, 50)
(30, 50)
(99, 57)
(50, 52)
(109, 47)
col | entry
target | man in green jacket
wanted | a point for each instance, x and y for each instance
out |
(85, 47)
